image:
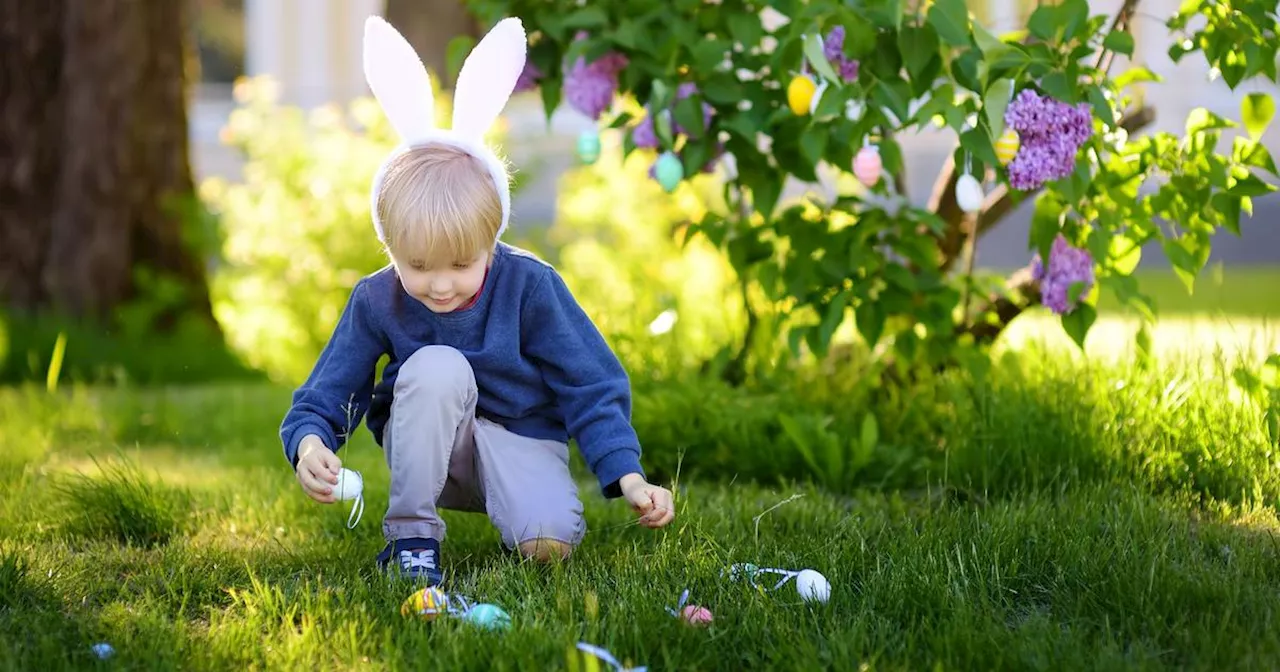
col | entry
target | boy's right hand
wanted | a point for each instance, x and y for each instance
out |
(318, 469)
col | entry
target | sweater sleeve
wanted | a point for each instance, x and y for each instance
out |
(336, 395)
(592, 389)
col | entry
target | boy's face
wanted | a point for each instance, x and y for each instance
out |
(442, 288)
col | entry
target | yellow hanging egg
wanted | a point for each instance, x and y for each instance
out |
(800, 93)
(1007, 146)
(425, 604)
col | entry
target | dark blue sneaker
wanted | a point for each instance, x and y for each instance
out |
(413, 558)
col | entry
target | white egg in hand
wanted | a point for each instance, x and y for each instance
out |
(349, 486)
(813, 586)
(968, 193)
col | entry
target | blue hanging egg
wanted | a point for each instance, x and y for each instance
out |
(489, 616)
(589, 146)
(668, 171)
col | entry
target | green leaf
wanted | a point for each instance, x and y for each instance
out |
(457, 52)
(1256, 111)
(1187, 262)
(992, 47)
(688, 114)
(1125, 254)
(870, 437)
(951, 19)
(1252, 153)
(1057, 85)
(813, 143)
(1270, 375)
(1249, 186)
(888, 95)
(722, 88)
(745, 27)
(1101, 106)
(1119, 41)
(1228, 207)
(1135, 75)
(1046, 223)
(995, 103)
(813, 53)
(586, 18)
(965, 70)
(919, 45)
(1074, 15)
(550, 100)
(1201, 119)
(834, 316)
(870, 319)
(1045, 22)
(1078, 322)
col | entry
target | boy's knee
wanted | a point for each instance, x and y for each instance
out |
(544, 549)
(434, 368)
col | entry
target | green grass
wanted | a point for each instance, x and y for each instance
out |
(1027, 532)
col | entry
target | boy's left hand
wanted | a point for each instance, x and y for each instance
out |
(653, 503)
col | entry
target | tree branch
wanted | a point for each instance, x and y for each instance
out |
(998, 203)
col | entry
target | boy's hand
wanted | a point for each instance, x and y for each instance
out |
(318, 469)
(652, 502)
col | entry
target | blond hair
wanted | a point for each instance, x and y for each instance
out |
(438, 204)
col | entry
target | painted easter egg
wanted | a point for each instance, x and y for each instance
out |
(668, 171)
(349, 486)
(425, 604)
(1007, 146)
(800, 93)
(695, 615)
(488, 616)
(867, 165)
(813, 586)
(968, 193)
(589, 146)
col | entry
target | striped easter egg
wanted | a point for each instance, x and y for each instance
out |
(425, 604)
(1007, 146)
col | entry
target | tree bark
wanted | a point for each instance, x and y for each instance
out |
(30, 137)
(95, 134)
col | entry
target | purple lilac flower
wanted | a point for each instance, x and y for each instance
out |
(1051, 133)
(644, 135)
(589, 87)
(833, 50)
(528, 79)
(1067, 266)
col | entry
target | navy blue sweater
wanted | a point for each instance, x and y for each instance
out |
(542, 368)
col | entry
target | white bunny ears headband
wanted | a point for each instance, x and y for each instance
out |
(402, 88)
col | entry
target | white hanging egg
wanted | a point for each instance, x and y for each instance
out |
(969, 193)
(349, 486)
(813, 586)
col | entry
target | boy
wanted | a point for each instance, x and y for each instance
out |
(493, 365)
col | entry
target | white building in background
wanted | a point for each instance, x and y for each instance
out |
(313, 49)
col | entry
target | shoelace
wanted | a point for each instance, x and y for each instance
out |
(421, 559)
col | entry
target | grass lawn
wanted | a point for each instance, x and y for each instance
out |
(1141, 535)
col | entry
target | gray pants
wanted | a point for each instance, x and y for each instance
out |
(442, 456)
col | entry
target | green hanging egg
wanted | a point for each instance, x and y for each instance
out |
(668, 171)
(589, 146)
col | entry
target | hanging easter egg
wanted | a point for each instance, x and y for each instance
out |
(668, 171)
(800, 94)
(425, 604)
(867, 165)
(488, 616)
(589, 146)
(813, 586)
(1007, 146)
(968, 193)
(349, 486)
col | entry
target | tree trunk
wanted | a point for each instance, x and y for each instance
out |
(429, 26)
(112, 181)
(30, 138)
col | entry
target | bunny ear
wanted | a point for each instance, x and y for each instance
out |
(398, 80)
(488, 77)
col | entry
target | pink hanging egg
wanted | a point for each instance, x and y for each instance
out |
(867, 165)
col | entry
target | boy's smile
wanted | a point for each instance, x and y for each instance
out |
(443, 288)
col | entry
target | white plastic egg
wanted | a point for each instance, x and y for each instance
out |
(969, 193)
(349, 486)
(813, 586)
